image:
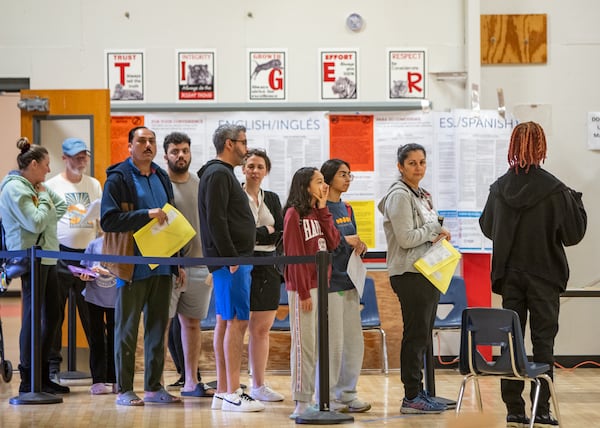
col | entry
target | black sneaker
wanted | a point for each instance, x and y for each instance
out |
(178, 384)
(54, 388)
(517, 421)
(545, 421)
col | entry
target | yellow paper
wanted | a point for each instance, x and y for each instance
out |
(438, 264)
(164, 240)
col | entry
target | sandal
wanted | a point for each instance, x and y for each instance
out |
(160, 397)
(201, 390)
(129, 398)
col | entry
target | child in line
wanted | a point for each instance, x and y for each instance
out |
(100, 294)
(307, 229)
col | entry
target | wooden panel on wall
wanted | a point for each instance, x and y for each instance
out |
(514, 39)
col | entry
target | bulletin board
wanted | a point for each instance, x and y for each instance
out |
(466, 152)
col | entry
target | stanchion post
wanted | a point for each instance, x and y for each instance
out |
(36, 324)
(36, 396)
(323, 262)
(324, 416)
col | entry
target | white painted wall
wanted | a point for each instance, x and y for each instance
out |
(60, 45)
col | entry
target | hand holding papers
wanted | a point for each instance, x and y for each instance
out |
(93, 212)
(438, 264)
(164, 240)
(357, 272)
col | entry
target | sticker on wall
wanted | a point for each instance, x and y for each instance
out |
(406, 73)
(339, 74)
(196, 75)
(125, 75)
(266, 75)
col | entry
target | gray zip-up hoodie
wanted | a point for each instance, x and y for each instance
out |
(408, 236)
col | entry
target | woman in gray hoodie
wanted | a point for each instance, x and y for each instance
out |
(411, 226)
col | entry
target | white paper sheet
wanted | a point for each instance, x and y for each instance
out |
(357, 272)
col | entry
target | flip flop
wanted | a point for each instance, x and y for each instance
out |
(160, 397)
(201, 390)
(129, 398)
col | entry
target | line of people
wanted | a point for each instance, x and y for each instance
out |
(243, 220)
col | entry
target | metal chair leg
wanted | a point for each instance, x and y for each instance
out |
(384, 351)
(548, 379)
(478, 393)
(536, 396)
(461, 392)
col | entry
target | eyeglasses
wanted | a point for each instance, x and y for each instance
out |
(244, 142)
(344, 175)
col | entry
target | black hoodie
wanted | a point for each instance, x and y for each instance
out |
(531, 217)
(227, 225)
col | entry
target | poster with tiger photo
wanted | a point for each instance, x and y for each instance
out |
(196, 72)
(339, 74)
(125, 75)
(406, 73)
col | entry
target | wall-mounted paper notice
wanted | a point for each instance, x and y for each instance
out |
(593, 125)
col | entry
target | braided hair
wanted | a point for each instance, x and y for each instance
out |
(527, 146)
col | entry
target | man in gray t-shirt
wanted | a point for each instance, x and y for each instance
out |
(191, 301)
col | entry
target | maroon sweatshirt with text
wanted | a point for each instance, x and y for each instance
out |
(303, 237)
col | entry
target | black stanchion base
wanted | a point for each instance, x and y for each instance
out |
(323, 417)
(71, 377)
(448, 402)
(35, 398)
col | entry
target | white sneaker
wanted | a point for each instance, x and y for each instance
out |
(301, 407)
(357, 406)
(217, 402)
(337, 406)
(241, 402)
(264, 393)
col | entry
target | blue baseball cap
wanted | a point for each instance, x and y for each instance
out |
(73, 146)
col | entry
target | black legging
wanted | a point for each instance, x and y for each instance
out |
(418, 300)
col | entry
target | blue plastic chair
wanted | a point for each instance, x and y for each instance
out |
(282, 324)
(501, 328)
(456, 296)
(370, 319)
(210, 322)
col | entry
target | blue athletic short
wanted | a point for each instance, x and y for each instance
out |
(232, 292)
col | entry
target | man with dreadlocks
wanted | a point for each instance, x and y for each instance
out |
(530, 216)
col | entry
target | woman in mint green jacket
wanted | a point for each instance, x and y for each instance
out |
(30, 213)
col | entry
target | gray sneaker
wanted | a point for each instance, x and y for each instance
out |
(421, 405)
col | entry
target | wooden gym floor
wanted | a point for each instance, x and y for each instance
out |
(578, 392)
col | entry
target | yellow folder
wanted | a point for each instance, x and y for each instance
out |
(438, 264)
(164, 240)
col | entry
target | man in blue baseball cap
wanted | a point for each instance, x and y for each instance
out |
(74, 146)
(75, 232)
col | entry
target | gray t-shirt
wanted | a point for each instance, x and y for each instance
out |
(186, 200)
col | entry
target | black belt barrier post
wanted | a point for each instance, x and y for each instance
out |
(72, 373)
(36, 396)
(324, 416)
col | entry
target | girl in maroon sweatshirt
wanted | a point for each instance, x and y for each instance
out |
(307, 228)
